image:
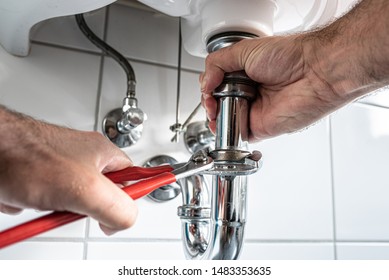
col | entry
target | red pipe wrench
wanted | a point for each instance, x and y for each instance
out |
(153, 178)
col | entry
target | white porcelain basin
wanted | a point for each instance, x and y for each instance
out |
(17, 17)
(201, 19)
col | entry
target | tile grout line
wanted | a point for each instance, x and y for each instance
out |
(101, 73)
(370, 105)
(67, 48)
(95, 128)
(166, 240)
(132, 59)
(85, 239)
(98, 94)
(332, 170)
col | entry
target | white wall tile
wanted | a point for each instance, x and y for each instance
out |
(287, 251)
(150, 250)
(190, 97)
(144, 35)
(64, 31)
(361, 161)
(379, 97)
(362, 251)
(148, 35)
(290, 197)
(43, 251)
(56, 85)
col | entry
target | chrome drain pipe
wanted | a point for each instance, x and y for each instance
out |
(216, 230)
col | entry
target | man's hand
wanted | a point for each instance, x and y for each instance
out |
(304, 77)
(47, 167)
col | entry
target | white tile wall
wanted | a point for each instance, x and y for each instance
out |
(53, 84)
(150, 250)
(287, 251)
(363, 251)
(379, 97)
(361, 162)
(43, 251)
(63, 31)
(157, 42)
(143, 34)
(321, 194)
(290, 197)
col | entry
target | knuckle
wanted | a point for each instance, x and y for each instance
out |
(209, 59)
(98, 136)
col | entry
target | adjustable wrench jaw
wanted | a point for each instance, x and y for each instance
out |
(220, 162)
(198, 163)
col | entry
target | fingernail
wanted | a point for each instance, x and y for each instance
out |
(107, 231)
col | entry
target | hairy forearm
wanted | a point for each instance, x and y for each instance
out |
(15, 127)
(352, 53)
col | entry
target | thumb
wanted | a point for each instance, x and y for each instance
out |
(223, 61)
